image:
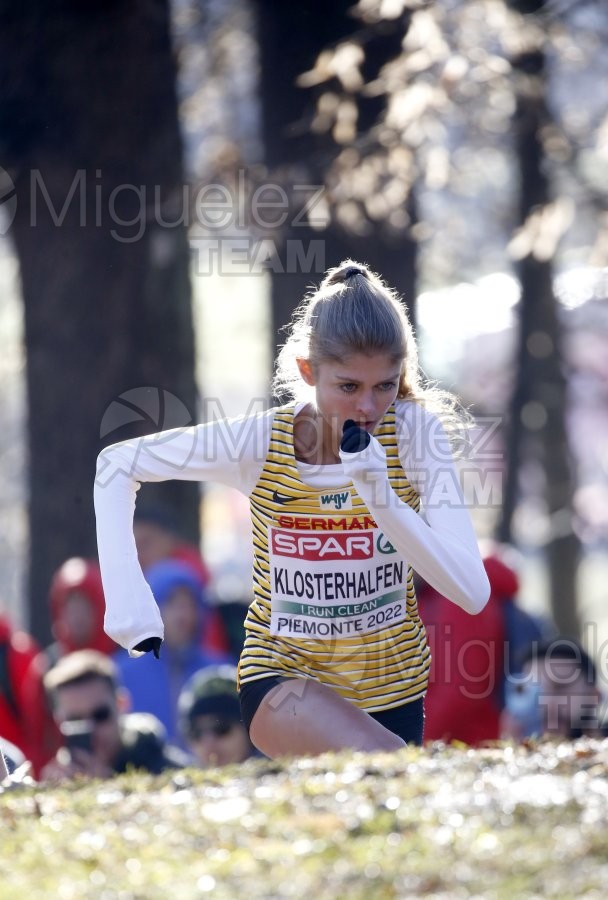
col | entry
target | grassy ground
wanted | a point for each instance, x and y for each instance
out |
(450, 822)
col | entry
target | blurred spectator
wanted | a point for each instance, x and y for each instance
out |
(157, 538)
(77, 608)
(462, 701)
(155, 685)
(521, 628)
(232, 614)
(555, 693)
(99, 738)
(210, 718)
(25, 719)
(470, 655)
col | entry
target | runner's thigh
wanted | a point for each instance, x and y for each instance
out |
(301, 717)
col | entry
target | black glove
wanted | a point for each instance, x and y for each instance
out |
(354, 439)
(149, 644)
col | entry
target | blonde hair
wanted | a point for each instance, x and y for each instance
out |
(354, 311)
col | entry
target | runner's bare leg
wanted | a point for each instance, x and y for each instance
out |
(301, 717)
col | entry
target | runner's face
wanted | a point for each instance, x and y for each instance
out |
(361, 388)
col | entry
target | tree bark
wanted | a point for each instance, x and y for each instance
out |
(537, 413)
(90, 136)
(291, 36)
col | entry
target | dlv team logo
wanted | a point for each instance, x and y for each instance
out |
(336, 501)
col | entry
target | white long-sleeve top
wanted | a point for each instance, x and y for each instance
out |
(440, 544)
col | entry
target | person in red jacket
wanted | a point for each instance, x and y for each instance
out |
(464, 697)
(77, 607)
(25, 719)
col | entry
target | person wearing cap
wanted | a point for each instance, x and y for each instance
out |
(210, 718)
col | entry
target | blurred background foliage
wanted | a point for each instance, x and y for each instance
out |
(460, 148)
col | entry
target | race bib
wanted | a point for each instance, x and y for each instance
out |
(334, 584)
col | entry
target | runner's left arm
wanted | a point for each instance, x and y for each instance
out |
(441, 546)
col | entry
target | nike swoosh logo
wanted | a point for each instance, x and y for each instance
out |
(281, 498)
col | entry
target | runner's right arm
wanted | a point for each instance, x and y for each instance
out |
(228, 451)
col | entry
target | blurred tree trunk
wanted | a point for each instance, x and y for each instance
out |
(537, 424)
(291, 36)
(90, 137)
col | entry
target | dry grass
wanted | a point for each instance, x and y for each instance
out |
(451, 822)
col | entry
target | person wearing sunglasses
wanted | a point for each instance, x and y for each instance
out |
(210, 718)
(100, 738)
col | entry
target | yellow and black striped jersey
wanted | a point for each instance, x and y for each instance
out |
(333, 600)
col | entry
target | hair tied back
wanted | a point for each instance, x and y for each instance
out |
(345, 272)
(351, 271)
